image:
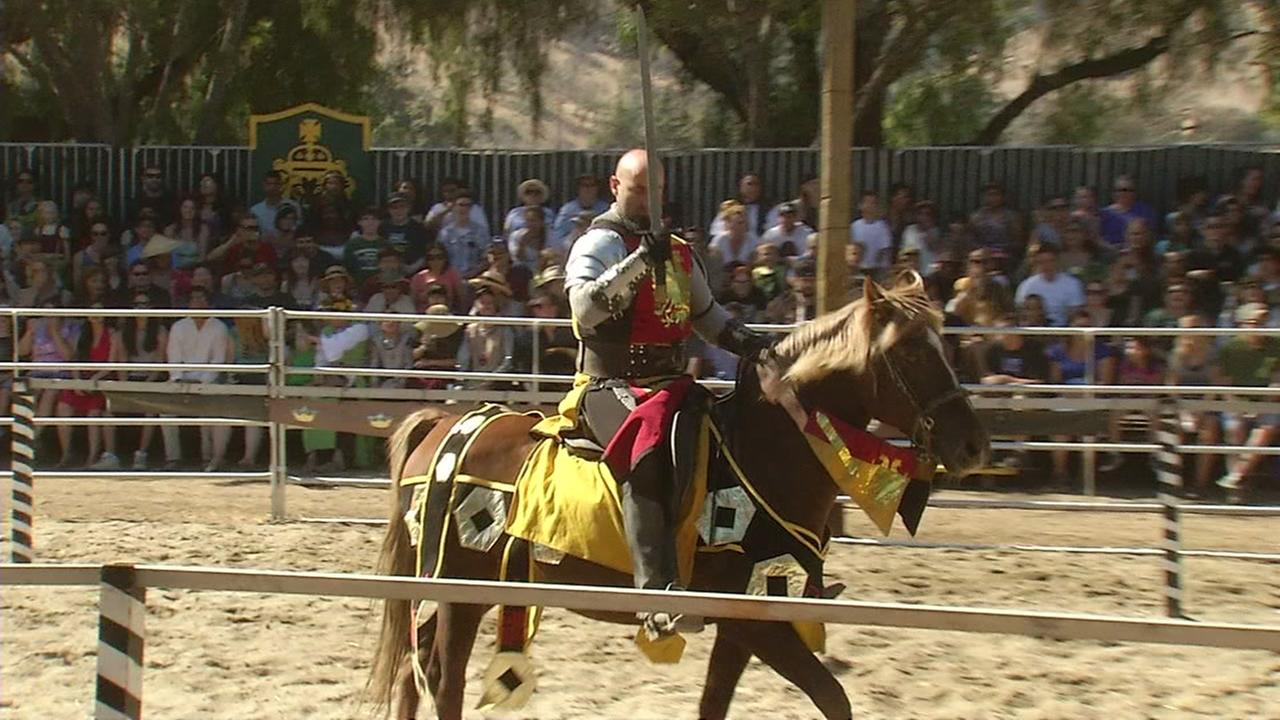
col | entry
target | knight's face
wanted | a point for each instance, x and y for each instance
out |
(631, 190)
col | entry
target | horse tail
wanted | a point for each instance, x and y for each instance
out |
(397, 558)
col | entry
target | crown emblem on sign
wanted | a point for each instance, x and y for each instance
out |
(380, 421)
(304, 414)
(307, 163)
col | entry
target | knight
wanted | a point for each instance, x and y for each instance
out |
(636, 295)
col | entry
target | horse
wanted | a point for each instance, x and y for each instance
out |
(881, 356)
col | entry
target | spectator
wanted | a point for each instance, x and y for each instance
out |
(153, 196)
(133, 241)
(47, 340)
(22, 208)
(581, 224)
(145, 340)
(1068, 364)
(158, 255)
(873, 234)
(96, 252)
(1061, 292)
(749, 197)
(1124, 208)
(404, 233)
(799, 302)
(924, 236)
(1192, 198)
(192, 235)
(41, 286)
(789, 234)
(1010, 359)
(1051, 222)
(390, 268)
(93, 289)
(1193, 363)
(588, 200)
(264, 288)
(901, 213)
(1127, 299)
(286, 232)
(1174, 268)
(267, 209)
(96, 343)
(336, 287)
(245, 244)
(1268, 274)
(557, 347)
(996, 226)
(806, 204)
(236, 287)
(305, 245)
(202, 341)
(1141, 363)
(301, 285)
(941, 278)
(1248, 191)
(393, 297)
(1031, 312)
(335, 195)
(979, 299)
(1080, 256)
(515, 278)
(532, 194)
(1140, 243)
(1217, 253)
(743, 291)
(464, 240)
(735, 244)
(770, 270)
(215, 210)
(251, 345)
(486, 347)
(438, 347)
(364, 247)
(437, 272)
(391, 348)
(1177, 304)
(551, 282)
(1248, 361)
(442, 213)
(413, 195)
(330, 231)
(712, 259)
(85, 216)
(342, 344)
(527, 243)
(54, 237)
(1095, 303)
(1182, 234)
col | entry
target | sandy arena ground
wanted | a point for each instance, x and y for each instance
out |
(224, 655)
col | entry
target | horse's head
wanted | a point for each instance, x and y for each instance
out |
(882, 357)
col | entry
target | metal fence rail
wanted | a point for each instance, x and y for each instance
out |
(698, 179)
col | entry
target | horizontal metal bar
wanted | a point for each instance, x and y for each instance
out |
(138, 367)
(459, 397)
(1123, 447)
(1117, 390)
(1187, 508)
(72, 312)
(131, 421)
(150, 475)
(1070, 549)
(167, 387)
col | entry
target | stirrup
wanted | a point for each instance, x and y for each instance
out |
(662, 624)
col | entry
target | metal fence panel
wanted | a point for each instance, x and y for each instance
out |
(58, 168)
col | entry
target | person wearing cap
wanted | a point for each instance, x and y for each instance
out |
(799, 301)
(244, 244)
(336, 285)
(364, 247)
(587, 200)
(789, 233)
(273, 200)
(390, 267)
(1247, 361)
(632, 337)
(464, 240)
(487, 347)
(551, 282)
(441, 215)
(533, 194)
(438, 344)
(557, 347)
(404, 233)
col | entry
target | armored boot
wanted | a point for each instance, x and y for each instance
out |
(653, 556)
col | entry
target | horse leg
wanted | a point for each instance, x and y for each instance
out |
(455, 635)
(409, 698)
(728, 660)
(779, 647)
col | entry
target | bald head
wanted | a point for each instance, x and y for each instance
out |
(629, 185)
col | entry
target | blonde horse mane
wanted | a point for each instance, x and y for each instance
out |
(850, 337)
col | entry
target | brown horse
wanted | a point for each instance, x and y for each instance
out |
(879, 357)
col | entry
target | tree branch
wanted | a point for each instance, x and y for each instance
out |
(1108, 66)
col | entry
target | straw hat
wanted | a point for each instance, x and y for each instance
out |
(335, 271)
(490, 281)
(532, 184)
(550, 274)
(159, 245)
(437, 328)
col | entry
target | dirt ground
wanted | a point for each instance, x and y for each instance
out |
(227, 655)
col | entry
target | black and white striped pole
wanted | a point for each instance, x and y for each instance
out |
(122, 612)
(22, 457)
(1169, 472)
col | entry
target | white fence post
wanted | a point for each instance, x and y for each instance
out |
(1168, 464)
(122, 612)
(278, 434)
(22, 458)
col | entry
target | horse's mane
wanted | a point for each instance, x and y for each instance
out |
(850, 337)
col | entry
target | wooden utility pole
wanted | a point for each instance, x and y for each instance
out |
(837, 151)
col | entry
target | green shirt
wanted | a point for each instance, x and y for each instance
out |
(1249, 366)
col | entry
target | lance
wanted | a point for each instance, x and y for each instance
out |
(651, 151)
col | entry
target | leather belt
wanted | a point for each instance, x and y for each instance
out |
(609, 360)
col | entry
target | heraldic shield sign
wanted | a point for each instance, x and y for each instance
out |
(308, 142)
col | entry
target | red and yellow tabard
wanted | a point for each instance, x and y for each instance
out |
(661, 316)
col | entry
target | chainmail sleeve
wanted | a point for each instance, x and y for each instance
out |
(716, 325)
(601, 277)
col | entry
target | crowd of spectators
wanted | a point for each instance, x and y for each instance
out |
(1212, 260)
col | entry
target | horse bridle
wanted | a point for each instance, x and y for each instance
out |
(921, 434)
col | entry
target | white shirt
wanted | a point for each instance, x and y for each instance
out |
(332, 347)
(877, 242)
(918, 238)
(206, 344)
(753, 220)
(1061, 295)
(746, 254)
(779, 237)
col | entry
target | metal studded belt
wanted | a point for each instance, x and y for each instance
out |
(608, 360)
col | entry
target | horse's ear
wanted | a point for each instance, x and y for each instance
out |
(909, 279)
(871, 292)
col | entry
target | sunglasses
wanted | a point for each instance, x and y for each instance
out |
(463, 204)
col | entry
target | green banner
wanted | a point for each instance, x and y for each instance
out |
(307, 143)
